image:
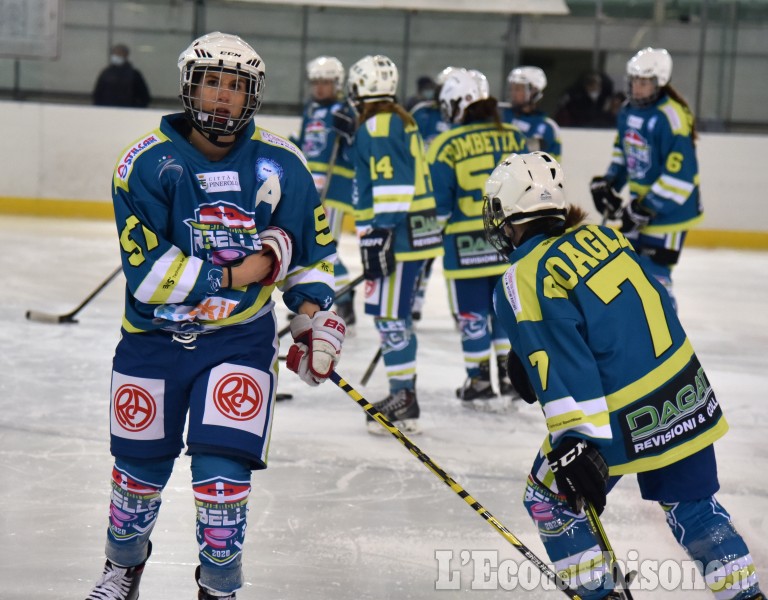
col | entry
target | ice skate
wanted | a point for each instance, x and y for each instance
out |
(119, 583)
(401, 409)
(205, 593)
(477, 389)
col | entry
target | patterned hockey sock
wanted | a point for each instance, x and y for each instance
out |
(221, 487)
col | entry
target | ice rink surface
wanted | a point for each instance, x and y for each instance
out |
(340, 514)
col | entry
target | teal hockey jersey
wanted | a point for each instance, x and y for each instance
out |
(393, 187)
(181, 217)
(541, 132)
(316, 141)
(605, 351)
(654, 153)
(461, 160)
(429, 121)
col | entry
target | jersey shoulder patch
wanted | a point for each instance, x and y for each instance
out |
(129, 156)
(275, 140)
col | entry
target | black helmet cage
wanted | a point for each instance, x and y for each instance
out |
(494, 221)
(194, 75)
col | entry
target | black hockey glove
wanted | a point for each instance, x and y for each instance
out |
(607, 202)
(344, 124)
(580, 472)
(519, 378)
(377, 252)
(634, 217)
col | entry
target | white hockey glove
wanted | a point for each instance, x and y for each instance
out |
(317, 345)
(280, 244)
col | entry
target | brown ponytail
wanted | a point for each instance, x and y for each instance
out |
(385, 106)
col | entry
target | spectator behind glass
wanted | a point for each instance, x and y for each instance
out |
(587, 102)
(120, 84)
(425, 90)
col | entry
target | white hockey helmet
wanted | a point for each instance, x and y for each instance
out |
(372, 79)
(533, 78)
(327, 68)
(220, 52)
(460, 89)
(522, 188)
(443, 75)
(649, 63)
(482, 81)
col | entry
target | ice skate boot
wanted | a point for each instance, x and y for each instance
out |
(477, 387)
(119, 583)
(401, 409)
(205, 593)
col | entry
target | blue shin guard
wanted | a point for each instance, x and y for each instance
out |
(703, 527)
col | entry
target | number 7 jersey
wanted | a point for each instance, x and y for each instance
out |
(605, 351)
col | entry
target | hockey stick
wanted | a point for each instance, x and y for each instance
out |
(331, 165)
(451, 483)
(371, 367)
(352, 284)
(602, 541)
(42, 317)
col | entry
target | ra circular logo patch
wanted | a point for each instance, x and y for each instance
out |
(238, 396)
(135, 408)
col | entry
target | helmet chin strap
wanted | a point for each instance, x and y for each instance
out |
(213, 138)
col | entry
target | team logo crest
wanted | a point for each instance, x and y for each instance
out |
(638, 154)
(223, 232)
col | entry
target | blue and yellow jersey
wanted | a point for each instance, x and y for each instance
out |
(541, 132)
(181, 217)
(429, 121)
(605, 351)
(316, 141)
(654, 153)
(394, 188)
(460, 161)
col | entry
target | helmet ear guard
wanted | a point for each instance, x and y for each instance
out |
(217, 53)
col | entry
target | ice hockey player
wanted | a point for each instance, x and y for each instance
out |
(327, 131)
(396, 223)
(211, 212)
(597, 342)
(460, 161)
(655, 154)
(526, 89)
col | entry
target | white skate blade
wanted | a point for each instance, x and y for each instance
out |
(408, 426)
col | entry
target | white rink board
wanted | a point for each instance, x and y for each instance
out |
(68, 153)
